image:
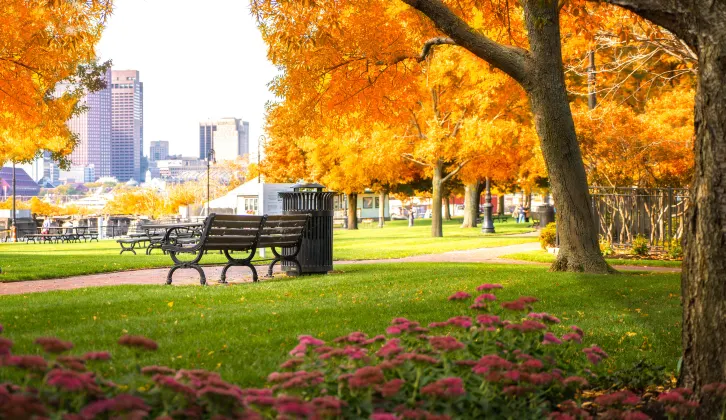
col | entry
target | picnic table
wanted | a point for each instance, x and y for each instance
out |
(62, 234)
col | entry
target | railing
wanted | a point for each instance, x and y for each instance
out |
(658, 214)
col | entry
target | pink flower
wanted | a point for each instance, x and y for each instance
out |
(572, 337)
(577, 330)
(354, 337)
(292, 407)
(391, 348)
(460, 321)
(5, 346)
(487, 319)
(445, 388)
(635, 415)
(299, 350)
(391, 388)
(309, 340)
(366, 376)
(578, 380)
(438, 324)
(459, 296)
(550, 338)
(27, 362)
(374, 340)
(328, 406)
(515, 390)
(490, 362)
(533, 364)
(446, 343)
(122, 403)
(514, 305)
(671, 398)
(488, 286)
(716, 388)
(415, 357)
(544, 316)
(97, 355)
(486, 297)
(618, 398)
(526, 326)
(542, 378)
(138, 341)
(291, 363)
(69, 380)
(354, 353)
(173, 385)
(53, 344)
(594, 354)
(383, 416)
(157, 370)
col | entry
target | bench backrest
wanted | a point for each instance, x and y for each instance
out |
(231, 232)
(283, 231)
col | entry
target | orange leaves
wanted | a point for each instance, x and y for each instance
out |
(42, 43)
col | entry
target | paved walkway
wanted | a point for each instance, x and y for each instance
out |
(157, 276)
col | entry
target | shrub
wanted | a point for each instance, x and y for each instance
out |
(548, 236)
(640, 246)
(675, 250)
(606, 247)
(499, 361)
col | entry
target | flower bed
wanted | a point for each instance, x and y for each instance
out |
(499, 360)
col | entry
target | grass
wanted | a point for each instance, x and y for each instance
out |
(244, 331)
(46, 261)
(546, 257)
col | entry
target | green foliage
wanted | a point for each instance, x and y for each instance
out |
(675, 250)
(637, 377)
(640, 246)
(548, 236)
(606, 247)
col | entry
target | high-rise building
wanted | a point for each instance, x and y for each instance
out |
(158, 150)
(127, 125)
(229, 137)
(93, 129)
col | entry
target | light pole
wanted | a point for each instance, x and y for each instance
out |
(14, 226)
(260, 141)
(210, 158)
(487, 224)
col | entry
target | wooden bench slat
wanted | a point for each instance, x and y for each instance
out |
(287, 217)
(230, 239)
(282, 230)
(237, 218)
(234, 224)
(214, 231)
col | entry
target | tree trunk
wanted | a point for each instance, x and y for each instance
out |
(704, 264)
(579, 248)
(382, 209)
(437, 230)
(471, 204)
(500, 204)
(352, 211)
(447, 208)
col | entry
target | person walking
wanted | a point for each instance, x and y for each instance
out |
(520, 212)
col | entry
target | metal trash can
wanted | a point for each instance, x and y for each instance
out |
(316, 250)
(546, 215)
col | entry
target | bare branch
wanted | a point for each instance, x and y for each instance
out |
(410, 157)
(455, 171)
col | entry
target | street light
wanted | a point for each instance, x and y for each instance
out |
(487, 224)
(210, 158)
(260, 141)
(13, 222)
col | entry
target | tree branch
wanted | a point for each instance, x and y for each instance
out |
(417, 162)
(455, 171)
(511, 60)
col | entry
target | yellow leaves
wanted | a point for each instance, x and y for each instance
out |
(170, 304)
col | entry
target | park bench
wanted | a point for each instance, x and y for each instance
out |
(242, 233)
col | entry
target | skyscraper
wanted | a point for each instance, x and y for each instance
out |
(127, 125)
(158, 150)
(93, 128)
(229, 137)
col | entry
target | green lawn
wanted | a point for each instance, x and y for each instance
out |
(546, 257)
(245, 330)
(44, 261)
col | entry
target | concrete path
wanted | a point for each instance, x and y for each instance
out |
(157, 276)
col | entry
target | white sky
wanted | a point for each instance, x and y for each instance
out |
(197, 60)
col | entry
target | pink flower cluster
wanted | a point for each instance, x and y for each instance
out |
(521, 304)
(544, 316)
(299, 379)
(526, 326)
(445, 388)
(459, 296)
(138, 341)
(72, 381)
(488, 286)
(677, 403)
(53, 344)
(446, 343)
(594, 354)
(401, 325)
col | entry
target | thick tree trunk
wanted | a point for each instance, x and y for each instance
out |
(352, 211)
(471, 204)
(447, 208)
(381, 208)
(437, 230)
(704, 262)
(579, 248)
(500, 204)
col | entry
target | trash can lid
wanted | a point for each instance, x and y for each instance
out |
(312, 186)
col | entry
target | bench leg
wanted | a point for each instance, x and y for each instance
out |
(280, 258)
(202, 277)
(124, 248)
(235, 262)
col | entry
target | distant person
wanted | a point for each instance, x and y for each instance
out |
(411, 216)
(515, 214)
(47, 223)
(520, 214)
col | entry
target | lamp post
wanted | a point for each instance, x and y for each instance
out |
(487, 224)
(260, 141)
(210, 158)
(13, 226)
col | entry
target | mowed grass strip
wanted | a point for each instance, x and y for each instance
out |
(546, 257)
(21, 261)
(244, 331)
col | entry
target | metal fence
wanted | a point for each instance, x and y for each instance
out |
(658, 214)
